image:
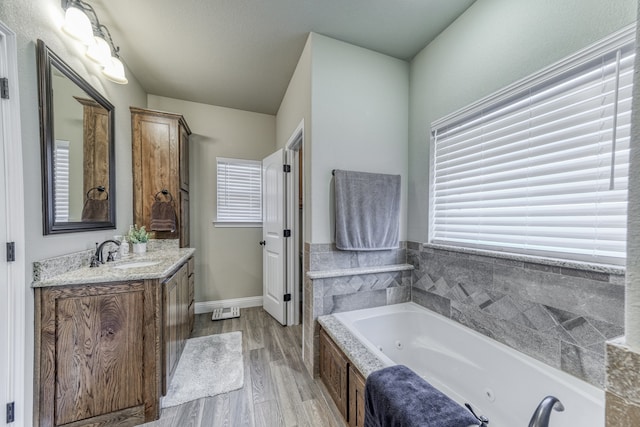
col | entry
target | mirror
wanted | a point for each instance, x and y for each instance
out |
(78, 153)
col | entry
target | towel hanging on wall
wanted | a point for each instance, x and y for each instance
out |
(367, 209)
(163, 215)
(94, 209)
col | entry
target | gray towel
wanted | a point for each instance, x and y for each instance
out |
(397, 396)
(367, 211)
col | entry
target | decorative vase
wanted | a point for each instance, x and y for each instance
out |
(139, 248)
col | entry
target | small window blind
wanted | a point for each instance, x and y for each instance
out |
(544, 170)
(61, 180)
(239, 187)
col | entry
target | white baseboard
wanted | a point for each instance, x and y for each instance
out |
(208, 306)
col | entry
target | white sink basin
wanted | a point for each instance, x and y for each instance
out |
(137, 264)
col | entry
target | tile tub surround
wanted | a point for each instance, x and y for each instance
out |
(556, 313)
(622, 406)
(337, 281)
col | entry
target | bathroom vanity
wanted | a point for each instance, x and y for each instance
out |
(108, 339)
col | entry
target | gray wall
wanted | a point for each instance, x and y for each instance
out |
(41, 19)
(228, 260)
(493, 44)
(359, 104)
(559, 316)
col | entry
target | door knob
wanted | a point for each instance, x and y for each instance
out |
(263, 242)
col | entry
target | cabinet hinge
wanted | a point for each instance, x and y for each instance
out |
(4, 88)
(11, 412)
(11, 251)
(287, 297)
(286, 233)
(286, 168)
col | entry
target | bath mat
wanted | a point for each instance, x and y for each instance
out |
(208, 366)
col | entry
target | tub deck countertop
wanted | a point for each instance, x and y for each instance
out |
(365, 361)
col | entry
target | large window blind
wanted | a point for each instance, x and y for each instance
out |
(61, 180)
(541, 169)
(239, 191)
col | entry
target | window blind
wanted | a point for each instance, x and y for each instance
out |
(543, 171)
(239, 185)
(61, 181)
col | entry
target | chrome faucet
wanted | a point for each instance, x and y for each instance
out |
(97, 258)
(540, 417)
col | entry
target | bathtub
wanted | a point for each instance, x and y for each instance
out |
(499, 382)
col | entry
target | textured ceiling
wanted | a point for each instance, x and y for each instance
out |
(242, 53)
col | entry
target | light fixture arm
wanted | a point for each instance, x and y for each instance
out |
(102, 30)
(95, 22)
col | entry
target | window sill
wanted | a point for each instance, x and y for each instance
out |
(227, 224)
(575, 265)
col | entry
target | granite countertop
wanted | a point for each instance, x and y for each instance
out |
(358, 354)
(166, 262)
(325, 274)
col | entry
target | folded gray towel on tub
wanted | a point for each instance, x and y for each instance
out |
(397, 396)
(367, 210)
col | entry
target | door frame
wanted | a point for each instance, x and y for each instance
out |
(294, 223)
(11, 140)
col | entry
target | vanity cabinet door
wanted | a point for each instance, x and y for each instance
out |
(356, 398)
(176, 325)
(333, 371)
(192, 304)
(170, 310)
(95, 354)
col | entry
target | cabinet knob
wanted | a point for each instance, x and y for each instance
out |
(263, 242)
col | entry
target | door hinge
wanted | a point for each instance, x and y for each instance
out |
(287, 297)
(11, 251)
(286, 168)
(287, 233)
(11, 412)
(4, 88)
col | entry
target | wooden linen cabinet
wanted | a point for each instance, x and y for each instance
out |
(160, 154)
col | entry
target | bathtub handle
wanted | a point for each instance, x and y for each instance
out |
(484, 421)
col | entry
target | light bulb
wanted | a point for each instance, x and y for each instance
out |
(99, 51)
(77, 25)
(114, 71)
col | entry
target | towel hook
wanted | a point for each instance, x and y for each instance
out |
(100, 189)
(166, 193)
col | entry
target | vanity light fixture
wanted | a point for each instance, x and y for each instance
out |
(81, 23)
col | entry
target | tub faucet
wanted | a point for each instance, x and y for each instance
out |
(98, 258)
(540, 417)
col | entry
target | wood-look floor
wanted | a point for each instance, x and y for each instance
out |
(278, 390)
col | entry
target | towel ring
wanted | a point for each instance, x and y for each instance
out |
(166, 193)
(100, 189)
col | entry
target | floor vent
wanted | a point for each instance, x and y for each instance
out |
(225, 313)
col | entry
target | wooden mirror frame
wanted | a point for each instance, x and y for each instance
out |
(46, 59)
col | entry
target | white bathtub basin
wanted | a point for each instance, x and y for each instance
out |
(501, 383)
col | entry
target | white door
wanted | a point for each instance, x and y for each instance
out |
(273, 241)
